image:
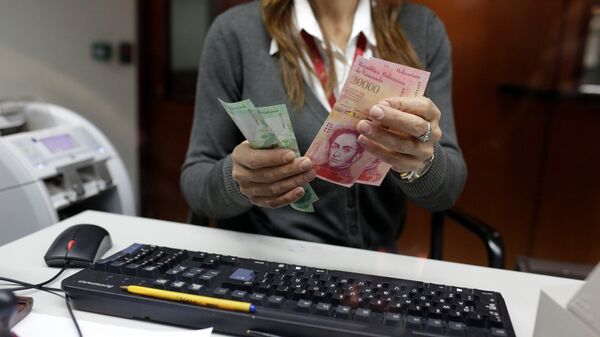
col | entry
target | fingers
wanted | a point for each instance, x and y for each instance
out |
(395, 142)
(272, 174)
(270, 178)
(400, 162)
(420, 106)
(279, 201)
(258, 158)
(277, 188)
(399, 121)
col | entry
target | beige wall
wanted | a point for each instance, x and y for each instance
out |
(45, 54)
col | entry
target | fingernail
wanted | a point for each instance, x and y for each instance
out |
(299, 193)
(363, 140)
(384, 103)
(305, 164)
(364, 127)
(310, 176)
(289, 157)
(376, 112)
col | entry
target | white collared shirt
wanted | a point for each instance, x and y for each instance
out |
(305, 20)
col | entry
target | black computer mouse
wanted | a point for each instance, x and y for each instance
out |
(79, 244)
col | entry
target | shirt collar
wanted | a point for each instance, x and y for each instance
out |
(305, 20)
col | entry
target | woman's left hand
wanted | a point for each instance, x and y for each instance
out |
(393, 135)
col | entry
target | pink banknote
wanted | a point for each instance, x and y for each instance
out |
(369, 82)
(336, 154)
(412, 83)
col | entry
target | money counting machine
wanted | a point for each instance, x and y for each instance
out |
(54, 164)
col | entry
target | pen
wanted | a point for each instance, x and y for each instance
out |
(192, 299)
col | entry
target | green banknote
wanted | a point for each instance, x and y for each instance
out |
(269, 127)
(276, 117)
(254, 130)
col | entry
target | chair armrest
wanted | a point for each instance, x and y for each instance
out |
(491, 238)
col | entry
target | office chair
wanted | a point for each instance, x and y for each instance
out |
(490, 237)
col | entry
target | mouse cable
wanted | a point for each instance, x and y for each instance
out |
(53, 291)
(50, 290)
(39, 285)
(68, 301)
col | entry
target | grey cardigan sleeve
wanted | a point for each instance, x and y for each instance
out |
(439, 188)
(206, 180)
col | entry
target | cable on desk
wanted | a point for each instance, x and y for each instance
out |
(68, 301)
(41, 286)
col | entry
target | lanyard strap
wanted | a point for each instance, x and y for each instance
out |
(319, 63)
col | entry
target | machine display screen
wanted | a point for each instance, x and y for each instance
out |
(59, 143)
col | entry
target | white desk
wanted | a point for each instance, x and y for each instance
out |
(23, 260)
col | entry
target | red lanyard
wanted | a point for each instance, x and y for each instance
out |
(319, 63)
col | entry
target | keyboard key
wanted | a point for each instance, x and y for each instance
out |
(320, 296)
(415, 310)
(498, 332)
(476, 332)
(132, 269)
(303, 306)
(300, 294)
(435, 312)
(257, 298)
(323, 309)
(395, 306)
(209, 278)
(229, 260)
(475, 319)
(495, 321)
(456, 328)
(392, 319)
(242, 285)
(242, 274)
(221, 292)
(161, 283)
(192, 274)
(362, 315)
(177, 286)
(239, 295)
(116, 267)
(455, 315)
(174, 273)
(458, 290)
(149, 272)
(276, 301)
(283, 290)
(434, 325)
(377, 305)
(194, 288)
(337, 298)
(414, 322)
(343, 311)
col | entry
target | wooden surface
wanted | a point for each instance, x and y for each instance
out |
(518, 147)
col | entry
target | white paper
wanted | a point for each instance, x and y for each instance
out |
(53, 326)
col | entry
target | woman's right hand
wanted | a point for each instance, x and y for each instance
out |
(270, 178)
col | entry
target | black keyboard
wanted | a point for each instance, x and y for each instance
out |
(290, 300)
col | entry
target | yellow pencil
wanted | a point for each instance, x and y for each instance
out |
(193, 299)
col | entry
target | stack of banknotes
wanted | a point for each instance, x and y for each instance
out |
(336, 155)
(335, 152)
(266, 128)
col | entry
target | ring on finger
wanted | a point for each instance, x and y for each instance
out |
(424, 138)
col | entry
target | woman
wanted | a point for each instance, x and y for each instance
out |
(262, 51)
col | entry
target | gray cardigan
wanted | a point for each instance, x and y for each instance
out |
(236, 65)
